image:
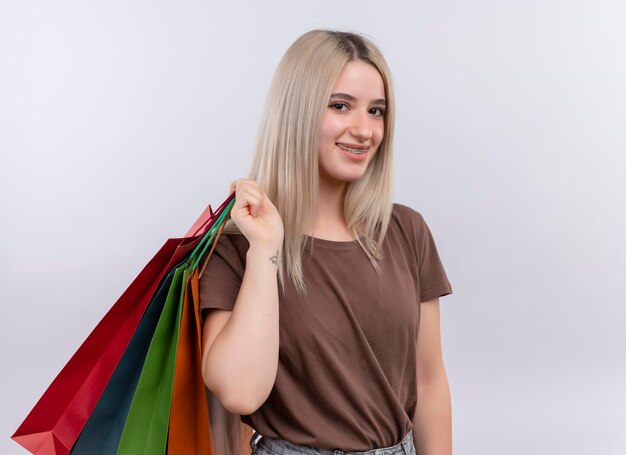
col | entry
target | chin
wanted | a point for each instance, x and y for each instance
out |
(351, 178)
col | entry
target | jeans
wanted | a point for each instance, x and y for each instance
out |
(267, 446)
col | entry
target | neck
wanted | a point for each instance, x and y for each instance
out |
(329, 219)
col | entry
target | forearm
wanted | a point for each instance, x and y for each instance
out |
(432, 423)
(242, 362)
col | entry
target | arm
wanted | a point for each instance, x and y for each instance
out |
(432, 423)
(240, 347)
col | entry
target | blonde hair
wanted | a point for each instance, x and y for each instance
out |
(285, 163)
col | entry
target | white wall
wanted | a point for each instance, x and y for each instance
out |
(121, 120)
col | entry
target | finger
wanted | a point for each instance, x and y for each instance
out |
(249, 190)
(258, 208)
(254, 204)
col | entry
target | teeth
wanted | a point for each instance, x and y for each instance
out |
(349, 149)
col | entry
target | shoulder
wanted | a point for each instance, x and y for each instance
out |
(232, 249)
(232, 241)
(413, 226)
(407, 217)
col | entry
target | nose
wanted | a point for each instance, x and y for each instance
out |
(361, 128)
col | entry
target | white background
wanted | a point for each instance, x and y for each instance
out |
(121, 120)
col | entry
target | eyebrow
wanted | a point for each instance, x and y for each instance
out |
(345, 96)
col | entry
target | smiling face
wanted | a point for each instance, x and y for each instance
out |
(353, 124)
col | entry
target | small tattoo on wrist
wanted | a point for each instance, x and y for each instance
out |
(274, 258)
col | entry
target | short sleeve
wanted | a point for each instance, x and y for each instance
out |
(432, 275)
(222, 277)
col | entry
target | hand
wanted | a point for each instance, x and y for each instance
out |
(255, 215)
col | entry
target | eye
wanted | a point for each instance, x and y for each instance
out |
(334, 106)
(381, 111)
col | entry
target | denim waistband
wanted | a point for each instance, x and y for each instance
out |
(282, 447)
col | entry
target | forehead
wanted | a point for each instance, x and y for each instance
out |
(360, 79)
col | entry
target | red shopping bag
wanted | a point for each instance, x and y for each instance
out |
(55, 422)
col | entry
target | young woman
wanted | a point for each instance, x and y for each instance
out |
(314, 294)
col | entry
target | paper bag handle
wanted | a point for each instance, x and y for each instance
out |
(206, 216)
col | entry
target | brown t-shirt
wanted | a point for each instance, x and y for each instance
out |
(346, 374)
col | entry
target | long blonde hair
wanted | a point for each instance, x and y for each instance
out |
(285, 162)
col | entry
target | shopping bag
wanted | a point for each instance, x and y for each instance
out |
(189, 429)
(146, 428)
(102, 433)
(55, 422)
(104, 428)
(229, 435)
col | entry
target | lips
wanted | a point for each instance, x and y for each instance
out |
(358, 149)
(353, 154)
(352, 146)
